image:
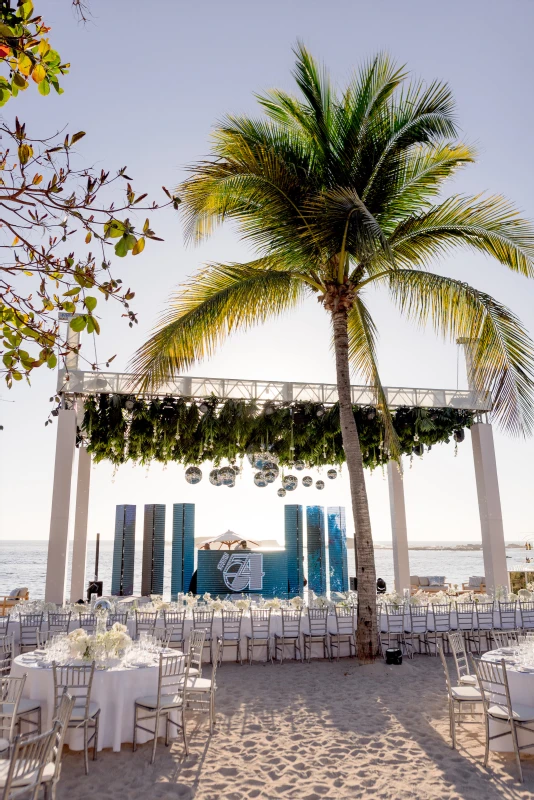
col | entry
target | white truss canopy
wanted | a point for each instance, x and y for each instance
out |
(77, 382)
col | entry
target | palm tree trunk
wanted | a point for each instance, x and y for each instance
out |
(367, 629)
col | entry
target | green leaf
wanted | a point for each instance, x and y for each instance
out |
(44, 87)
(17, 375)
(51, 361)
(121, 248)
(139, 247)
(90, 303)
(92, 325)
(114, 228)
(78, 324)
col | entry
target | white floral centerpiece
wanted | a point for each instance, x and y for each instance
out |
(191, 599)
(217, 604)
(158, 603)
(273, 602)
(112, 643)
(79, 644)
(524, 594)
(242, 604)
(296, 602)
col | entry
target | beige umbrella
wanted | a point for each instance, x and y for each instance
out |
(229, 538)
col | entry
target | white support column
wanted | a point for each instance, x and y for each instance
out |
(79, 547)
(489, 504)
(56, 567)
(401, 563)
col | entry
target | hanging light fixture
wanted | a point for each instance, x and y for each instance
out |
(290, 483)
(260, 480)
(459, 435)
(203, 407)
(281, 493)
(193, 475)
(319, 484)
(129, 404)
(320, 412)
(307, 481)
(332, 474)
(215, 479)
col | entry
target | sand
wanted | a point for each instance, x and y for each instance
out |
(323, 730)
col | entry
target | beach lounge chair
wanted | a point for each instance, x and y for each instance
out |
(7, 601)
(475, 584)
(432, 583)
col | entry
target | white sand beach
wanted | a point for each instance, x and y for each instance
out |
(323, 730)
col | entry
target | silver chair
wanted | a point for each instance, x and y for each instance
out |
(395, 633)
(318, 632)
(417, 636)
(29, 624)
(291, 623)
(200, 692)
(10, 697)
(440, 625)
(231, 633)
(344, 633)
(203, 620)
(465, 622)
(78, 682)
(175, 622)
(62, 717)
(29, 767)
(195, 651)
(498, 707)
(485, 624)
(260, 633)
(526, 613)
(26, 709)
(458, 649)
(458, 698)
(42, 638)
(172, 678)
(58, 623)
(4, 625)
(120, 617)
(88, 621)
(508, 616)
(145, 622)
(507, 638)
(7, 653)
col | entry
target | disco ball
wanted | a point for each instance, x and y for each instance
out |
(260, 480)
(230, 484)
(226, 475)
(290, 483)
(281, 493)
(215, 478)
(193, 475)
(258, 460)
(307, 481)
(270, 466)
(103, 605)
(270, 475)
(299, 465)
(319, 484)
(332, 474)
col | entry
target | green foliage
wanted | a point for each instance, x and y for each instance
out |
(121, 429)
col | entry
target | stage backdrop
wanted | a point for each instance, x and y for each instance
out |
(222, 572)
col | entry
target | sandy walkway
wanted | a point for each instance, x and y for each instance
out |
(332, 730)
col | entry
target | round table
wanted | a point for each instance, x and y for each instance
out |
(521, 686)
(114, 689)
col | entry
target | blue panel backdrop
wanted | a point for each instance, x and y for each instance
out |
(337, 549)
(222, 572)
(123, 551)
(183, 547)
(293, 532)
(316, 549)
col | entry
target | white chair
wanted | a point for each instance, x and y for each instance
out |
(78, 682)
(118, 616)
(418, 633)
(200, 692)
(29, 624)
(195, 651)
(485, 625)
(526, 612)
(58, 623)
(203, 620)
(395, 633)
(175, 622)
(344, 633)
(291, 622)
(507, 638)
(260, 633)
(25, 708)
(507, 616)
(29, 767)
(318, 632)
(87, 621)
(4, 625)
(459, 697)
(498, 707)
(7, 653)
(10, 697)
(62, 717)
(231, 633)
(173, 676)
(145, 622)
(459, 653)
(439, 626)
(465, 622)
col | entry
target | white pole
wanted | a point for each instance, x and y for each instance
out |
(79, 547)
(56, 566)
(489, 504)
(401, 562)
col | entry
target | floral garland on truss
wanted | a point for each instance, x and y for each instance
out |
(119, 428)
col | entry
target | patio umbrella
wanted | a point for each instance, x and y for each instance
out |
(229, 538)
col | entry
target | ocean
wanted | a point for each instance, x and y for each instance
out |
(23, 563)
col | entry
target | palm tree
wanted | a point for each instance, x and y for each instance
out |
(337, 193)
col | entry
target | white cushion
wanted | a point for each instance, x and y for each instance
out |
(468, 694)
(436, 580)
(4, 745)
(520, 712)
(198, 684)
(167, 701)
(48, 774)
(14, 593)
(468, 680)
(475, 581)
(193, 671)
(78, 712)
(234, 637)
(25, 707)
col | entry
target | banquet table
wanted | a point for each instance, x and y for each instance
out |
(521, 684)
(114, 689)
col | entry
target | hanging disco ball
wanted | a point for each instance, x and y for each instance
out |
(258, 460)
(281, 493)
(290, 483)
(270, 475)
(299, 465)
(332, 474)
(215, 478)
(103, 605)
(226, 475)
(193, 475)
(260, 480)
(270, 466)
(230, 484)
(319, 484)
(307, 481)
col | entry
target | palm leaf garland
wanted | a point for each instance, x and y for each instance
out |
(174, 430)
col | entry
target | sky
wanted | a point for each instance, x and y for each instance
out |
(148, 82)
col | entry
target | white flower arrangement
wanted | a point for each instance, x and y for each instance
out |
(273, 602)
(217, 604)
(79, 643)
(512, 597)
(524, 594)
(242, 605)
(297, 602)
(191, 599)
(112, 642)
(206, 597)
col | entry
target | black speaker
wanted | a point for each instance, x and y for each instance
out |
(95, 587)
(353, 584)
(393, 655)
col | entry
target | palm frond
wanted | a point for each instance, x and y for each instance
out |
(219, 300)
(501, 350)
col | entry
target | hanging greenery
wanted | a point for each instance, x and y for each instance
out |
(118, 428)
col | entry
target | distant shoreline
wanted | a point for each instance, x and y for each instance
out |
(465, 548)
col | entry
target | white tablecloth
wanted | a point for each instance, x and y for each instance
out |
(521, 693)
(115, 690)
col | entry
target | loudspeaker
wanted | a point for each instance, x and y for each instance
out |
(353, 584)
(393, 655)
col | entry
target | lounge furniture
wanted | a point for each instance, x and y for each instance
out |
(78, 681)
(498, 707)
(459, 697)
(8, 601)
(428, 584)
(475, 584)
